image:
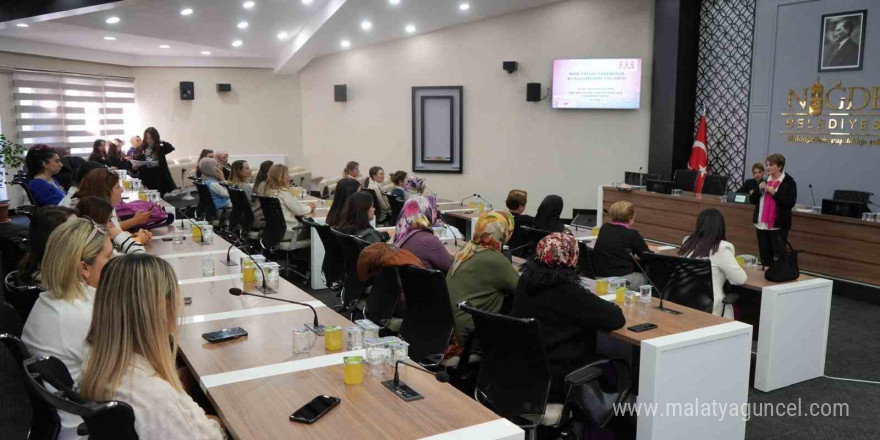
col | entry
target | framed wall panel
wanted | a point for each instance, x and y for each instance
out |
(437, 129)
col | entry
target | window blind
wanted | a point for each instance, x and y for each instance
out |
(70, 110)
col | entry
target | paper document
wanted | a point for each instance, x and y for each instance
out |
(144, 163)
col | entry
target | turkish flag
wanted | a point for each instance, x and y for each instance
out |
(699, 160)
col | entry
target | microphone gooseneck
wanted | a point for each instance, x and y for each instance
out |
(201, 236)
(653, 286)
(238, 292)
(441, 376)
(812, 195)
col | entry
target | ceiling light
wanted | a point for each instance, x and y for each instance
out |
(243, 25)
(345, 43)
(23, 25)
(186, 11)
(206, 52)
(282, 35)
(307, 2)
(366, 25)
(464, 6)
(394, 2)
(112, 20)
(248, 5)
(410, 28)
(110, 38)
(236, 43)
(164, 46)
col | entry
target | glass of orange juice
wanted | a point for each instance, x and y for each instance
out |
(596, 231)
(742, 261)
(602, 286)
(197, 232)
(354, 369)
(333, 338)
(620, 291)
(472, 205)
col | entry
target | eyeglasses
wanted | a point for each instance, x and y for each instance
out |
(95, 230)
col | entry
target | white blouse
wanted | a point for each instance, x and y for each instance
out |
(724, 268)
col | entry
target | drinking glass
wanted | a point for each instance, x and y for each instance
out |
(645, 299)
(677, 193)
(354, 336)
(354, 370)
(377, 354)
(208, 265)
(596, 231)
(207, 234)
(868, 217)
(303, 340)
(371, 330)
(629, 297)
(272, 270)
(741, 260)
(619, 291)
(248, 269)
(333, 338)
(126, 185)
(602, 286)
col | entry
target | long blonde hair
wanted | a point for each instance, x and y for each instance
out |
(74, 241)
(275, 180)
(136, 310)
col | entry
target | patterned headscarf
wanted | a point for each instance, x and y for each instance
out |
(493, 229)
(414, 184)
(418, 213)
(558, 250)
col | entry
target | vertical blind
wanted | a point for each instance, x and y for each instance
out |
(70, 110)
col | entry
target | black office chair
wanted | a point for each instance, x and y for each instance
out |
(21, 296)
(530, 238)
(206, 209)
(332, 269)
(685, 180)
(715, 184)
(241, 219)
(684, 281)
(585, 261)
(22, 410)
(10, 320)
(273, 237)
(383, 299)
(111, 420)
(22, 181)
(353, 289)
(396, 206)
(636, 178)
(429, 322)
(852, 196)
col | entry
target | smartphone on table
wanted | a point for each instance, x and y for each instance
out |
(314, 410)
(225, 334)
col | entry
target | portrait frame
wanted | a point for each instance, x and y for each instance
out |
(847, 57)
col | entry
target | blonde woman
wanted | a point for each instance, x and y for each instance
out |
(278, 186)
(76, 252)
(239, 176)
(137, 307)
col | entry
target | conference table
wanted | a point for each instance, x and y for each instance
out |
(794, 316)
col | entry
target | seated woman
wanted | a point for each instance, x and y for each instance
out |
(352, 169)
(547, 217)
(81, 172)
(480, 274)
(212, 175)
(239, 175)
(116, 157)
(223, 159)
(415, 233)
(516, 204)
(260, 190)
(99, 152)
(344, 189)
(104, 185)
(206, 152)
(356, 218)
(42, 163)
(374, 184)
(59, 322)
(278, 186)
(416, 186)
(398, 179)
(709, 241)
(750, 185)
(549, 291)
(137, 308)
(101, 212)
(617, 244)
(43, 222)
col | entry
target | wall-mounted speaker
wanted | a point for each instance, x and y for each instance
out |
(224, 87)
(510, 66)
(340, 93)
(187, 90)
(533, 92)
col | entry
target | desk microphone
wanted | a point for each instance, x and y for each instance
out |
(201, 236)
(811, 194)
(659, 293)
(491, 208)
(403, 390)
(641, 176)
(468, 197)
(315, 327)
(454, 236)
(265, 288)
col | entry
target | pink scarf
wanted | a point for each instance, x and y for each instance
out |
(768, 214)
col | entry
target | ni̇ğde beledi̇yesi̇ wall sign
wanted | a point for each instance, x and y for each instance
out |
(839, 115)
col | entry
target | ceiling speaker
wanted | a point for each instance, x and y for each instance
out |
(187, 90)
(533, 92)
(510, 66)
(224, 87)
(340, 93)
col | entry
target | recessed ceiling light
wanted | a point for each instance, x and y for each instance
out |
(366, 25)
(394, 2)
(110, 38)
(23, 25)
(248, 5)
(307, 2)
(410, 28)
(464, 6)
(164, 46)
(345, 43)
(206, 52)
(186, 11)
(242, 25)
(282, 35)
(236, 43)
(112, 20)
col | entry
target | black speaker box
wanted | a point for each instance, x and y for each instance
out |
(510, 66)
(224, 87)
(187, 90)
(533, 92)
(340, 93)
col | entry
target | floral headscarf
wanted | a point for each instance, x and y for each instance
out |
(493, 229)
(414, 184)
(558, 250)
(418, 213)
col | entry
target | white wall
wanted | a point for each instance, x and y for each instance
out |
(508, 142)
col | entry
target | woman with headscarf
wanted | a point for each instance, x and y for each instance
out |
(569, 314)
(480, 273)
(415, 233)
(547, 218)
(415, 186)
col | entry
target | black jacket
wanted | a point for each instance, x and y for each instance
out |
(612, 255)
(519, 220)
(158, 177)
(786, 197)
(748, 186)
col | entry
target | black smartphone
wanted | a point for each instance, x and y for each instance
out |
(642, 327)
(225, 335)
(314, 410)
(167, 238)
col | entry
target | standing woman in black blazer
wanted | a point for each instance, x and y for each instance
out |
(154, 149)
(774, 199)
